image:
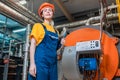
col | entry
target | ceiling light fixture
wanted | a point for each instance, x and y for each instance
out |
(22, 2)
(19, 30)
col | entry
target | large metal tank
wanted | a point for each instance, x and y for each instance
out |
(109, 60)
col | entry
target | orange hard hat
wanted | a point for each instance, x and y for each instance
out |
(45, 5)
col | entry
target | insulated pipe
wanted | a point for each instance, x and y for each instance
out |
(31, 13)
(97, 24)
(24, 77)
(93, 19)
(88, 21)
(16, 8)
(22, 10)
(110, 16)
(4, 9)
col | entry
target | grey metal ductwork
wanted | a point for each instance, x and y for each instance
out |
(9, 12)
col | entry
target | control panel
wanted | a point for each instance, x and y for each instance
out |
(88, 46)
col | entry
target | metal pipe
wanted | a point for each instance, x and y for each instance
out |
(19, 43)
(22, 10)
(38, 19)
(88, 21)
(20, 51)
(112, 7)
(26, 53)
(97, 24)
(14, 14)
(93, 19)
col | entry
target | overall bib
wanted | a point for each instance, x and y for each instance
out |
(46, 57)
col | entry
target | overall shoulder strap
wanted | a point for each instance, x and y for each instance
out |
(43, 26)
(46, 29)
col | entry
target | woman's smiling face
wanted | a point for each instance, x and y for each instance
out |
(47, 13)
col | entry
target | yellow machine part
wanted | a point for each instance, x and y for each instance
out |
(118, 8)
(110, 59)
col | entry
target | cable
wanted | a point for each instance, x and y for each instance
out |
(101, 31)
(103, 4)
(101, 19)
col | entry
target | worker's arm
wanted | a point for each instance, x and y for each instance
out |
(32, 69)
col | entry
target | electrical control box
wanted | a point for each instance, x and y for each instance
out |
(88, 64)
(88, 46)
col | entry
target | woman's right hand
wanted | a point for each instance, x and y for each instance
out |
(32, 70)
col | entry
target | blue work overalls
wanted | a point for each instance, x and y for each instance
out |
(46, 57)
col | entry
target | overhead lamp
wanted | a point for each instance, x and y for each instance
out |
(23, 2)
(3, 22)
(19, 30)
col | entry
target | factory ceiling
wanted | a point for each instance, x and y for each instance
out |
(69, 10)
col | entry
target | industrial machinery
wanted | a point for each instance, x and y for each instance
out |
(85, 57)
(91, 52)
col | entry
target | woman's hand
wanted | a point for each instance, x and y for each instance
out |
(32, 70)
(62, 41)
(59, 57)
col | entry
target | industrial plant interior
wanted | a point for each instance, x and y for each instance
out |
(91, 29)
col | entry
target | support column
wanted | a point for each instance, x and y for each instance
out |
(25, 63)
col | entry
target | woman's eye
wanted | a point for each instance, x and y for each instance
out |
(45, 10)
(50, 9)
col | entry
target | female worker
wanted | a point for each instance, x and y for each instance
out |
(44, 44)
